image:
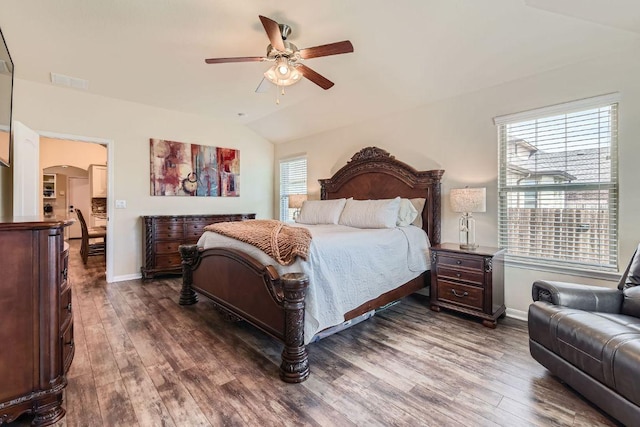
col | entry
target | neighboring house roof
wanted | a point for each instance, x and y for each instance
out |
(584, 165)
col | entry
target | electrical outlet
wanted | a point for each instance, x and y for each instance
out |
(121, 204)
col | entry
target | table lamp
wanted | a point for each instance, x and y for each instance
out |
(295, 202)
(466, 201)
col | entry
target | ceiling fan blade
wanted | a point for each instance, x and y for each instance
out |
(238, 59)
(321, 81)
(273, 32)
(327, 49)
(264, 86)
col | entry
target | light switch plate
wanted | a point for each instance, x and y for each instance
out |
(121, 204)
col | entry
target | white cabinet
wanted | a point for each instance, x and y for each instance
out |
(98, 180)
(49, 185)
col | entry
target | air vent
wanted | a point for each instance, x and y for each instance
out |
(73, 82)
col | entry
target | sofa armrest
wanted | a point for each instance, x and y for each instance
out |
(580, 297)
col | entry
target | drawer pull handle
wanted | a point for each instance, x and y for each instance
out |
(464, 294)
(69, 307)
(70, 343)
(458, 262)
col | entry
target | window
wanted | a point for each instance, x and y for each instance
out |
(558, 184)
(293, 180)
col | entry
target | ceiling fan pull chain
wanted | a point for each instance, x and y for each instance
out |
(281, 91)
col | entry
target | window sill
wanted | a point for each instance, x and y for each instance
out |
(592, 274)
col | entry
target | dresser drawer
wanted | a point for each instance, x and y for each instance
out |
(169, 231)
(165, 261)
(474, 263)
(162, 236)
(68, 347)
(194, 229)
(66, 308)
(472, 277)
(202, 220)
(460, 294)
(167, 247)
(64, 265)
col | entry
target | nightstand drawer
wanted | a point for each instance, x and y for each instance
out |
(459, 294)
(472, 277)
(473, 263)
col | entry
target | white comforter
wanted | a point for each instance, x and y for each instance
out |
(346, 267)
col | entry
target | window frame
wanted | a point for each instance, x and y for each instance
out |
(607, 272)
(285, 214)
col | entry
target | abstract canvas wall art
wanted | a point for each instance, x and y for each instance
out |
(183, 169)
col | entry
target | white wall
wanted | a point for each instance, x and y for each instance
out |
(458, 135)
(129, 125)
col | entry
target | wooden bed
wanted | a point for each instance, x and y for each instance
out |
(244, 289)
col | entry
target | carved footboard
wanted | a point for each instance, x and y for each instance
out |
(243, 288)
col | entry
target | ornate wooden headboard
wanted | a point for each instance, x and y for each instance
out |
(373, 173)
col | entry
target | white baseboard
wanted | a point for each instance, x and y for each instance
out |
(126, 277)
(517, 314)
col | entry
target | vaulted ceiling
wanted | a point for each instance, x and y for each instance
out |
(407, 52)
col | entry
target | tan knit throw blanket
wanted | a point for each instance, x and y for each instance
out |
(278, 240)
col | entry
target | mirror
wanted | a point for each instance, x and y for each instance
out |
(6, 97)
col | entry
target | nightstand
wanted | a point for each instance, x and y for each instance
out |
(468, 281)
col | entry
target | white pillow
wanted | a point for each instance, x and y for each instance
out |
(370, 213)
(406, 214)
(321, 211)
(418, 203)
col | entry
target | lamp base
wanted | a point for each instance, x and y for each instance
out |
(469, 247)
(467, 227)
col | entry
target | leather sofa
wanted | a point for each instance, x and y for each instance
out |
(589, 337)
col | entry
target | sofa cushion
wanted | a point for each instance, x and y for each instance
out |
(631, 301)
(625, 370)
(630, 322)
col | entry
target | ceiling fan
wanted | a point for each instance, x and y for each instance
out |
(287, 68)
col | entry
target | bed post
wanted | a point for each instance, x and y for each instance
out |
(295, 360)
(189, 254)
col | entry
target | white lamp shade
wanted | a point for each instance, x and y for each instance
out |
(296, 200)
(468, 199)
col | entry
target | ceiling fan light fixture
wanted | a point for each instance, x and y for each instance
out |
(283, 69)
(283, 73)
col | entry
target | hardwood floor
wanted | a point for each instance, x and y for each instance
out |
(141, 359)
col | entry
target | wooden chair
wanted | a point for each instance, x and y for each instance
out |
(87, 248)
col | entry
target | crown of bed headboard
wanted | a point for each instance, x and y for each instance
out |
(373, 173)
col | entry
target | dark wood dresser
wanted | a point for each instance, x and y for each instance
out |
(468, 281)
(36, 317)
(162, 234)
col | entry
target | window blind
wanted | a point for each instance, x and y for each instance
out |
(558, 184)
(293, 180)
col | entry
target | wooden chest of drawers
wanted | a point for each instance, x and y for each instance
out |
(36, 318)
(162, 234)
(468, 281)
